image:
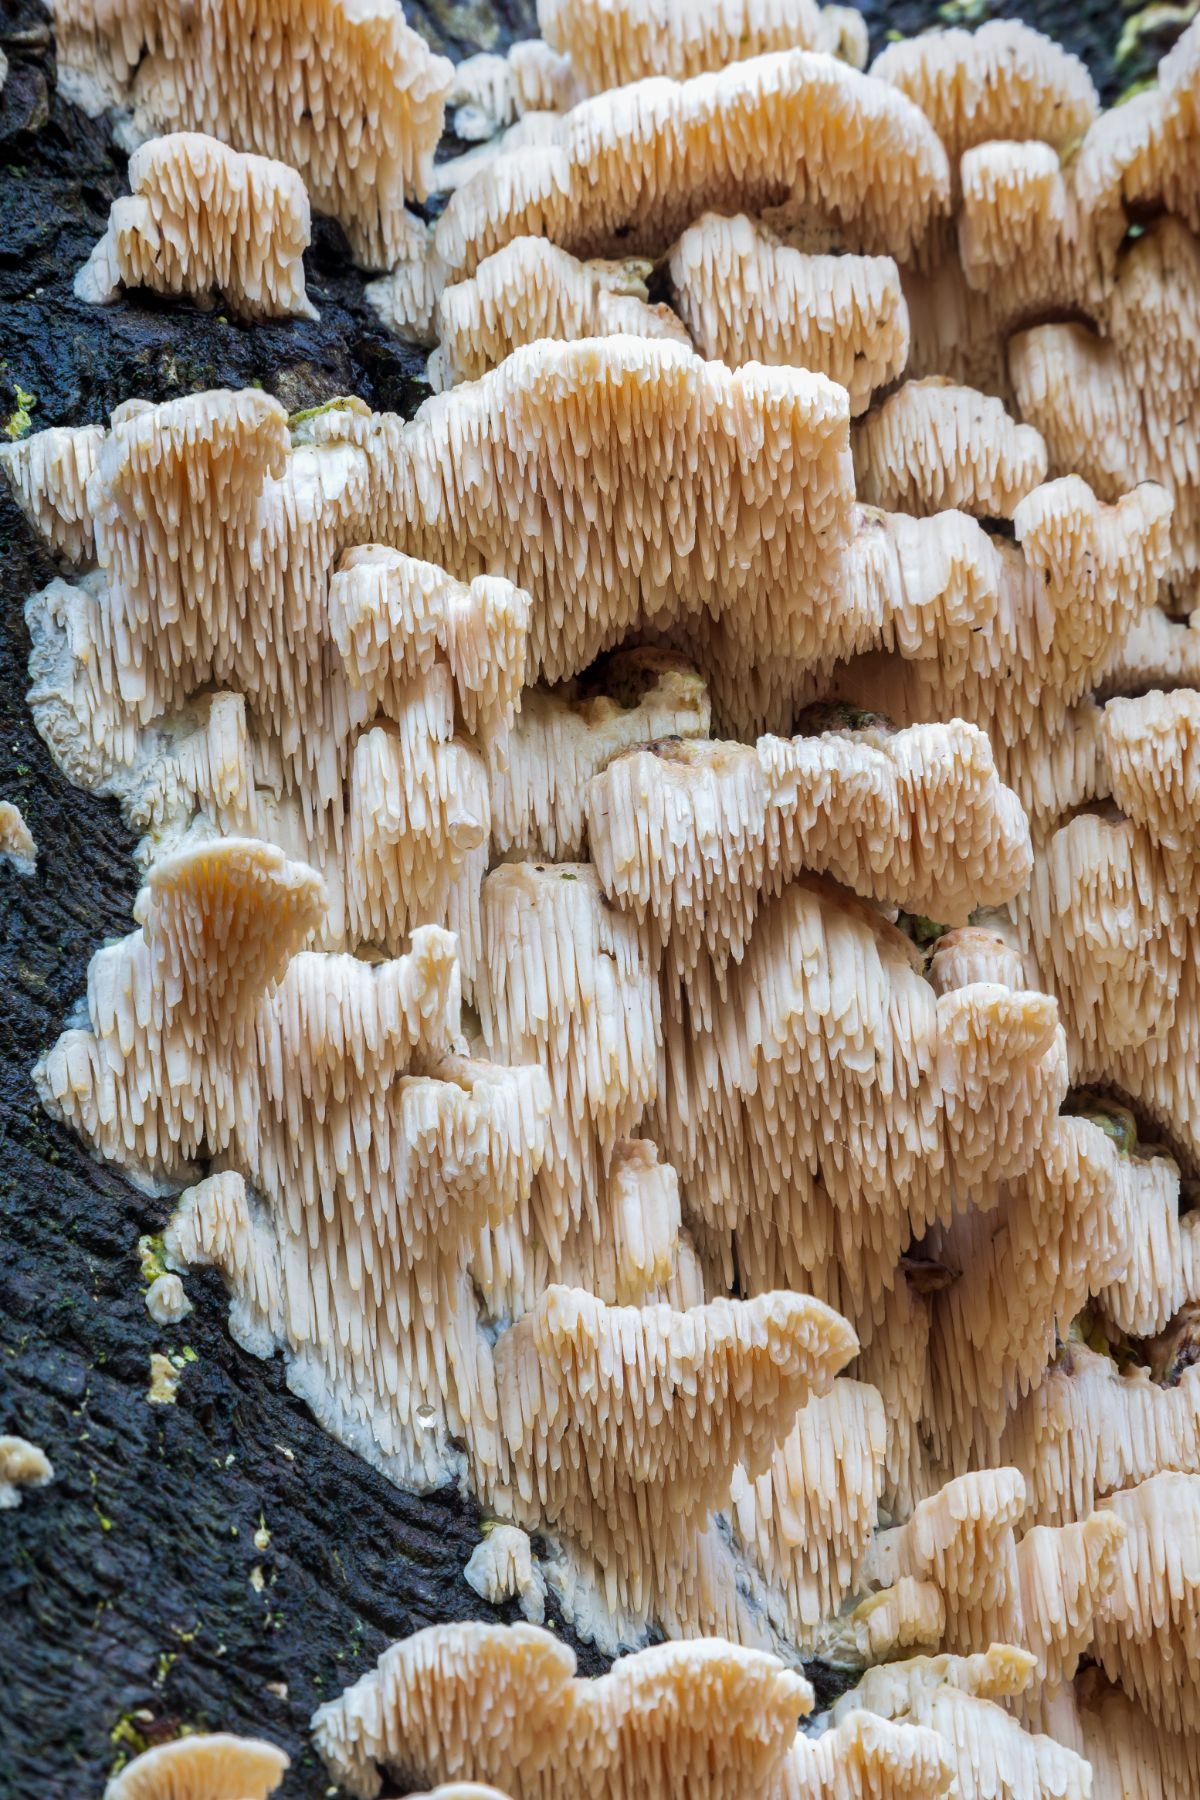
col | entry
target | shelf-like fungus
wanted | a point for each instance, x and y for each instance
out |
(1124, 406)
(202, 1767)
(587, 48)
(1113, 916)
(207, 221)
(666, 980)
(531, 290)
(1146, 1640)
(648, 1728)
(933, 447)
(1002, 81)
(22, 1465)
(746, 296)
(625, 172)
(345, 93)
(961, 1699)
(17, 844)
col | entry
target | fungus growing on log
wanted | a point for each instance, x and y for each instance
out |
(16, 839)
(795, 1127)
(624, 1425)
(704, 1719)
(22, 1465)
(670, 908)
(48, 474)
(621, 41)
(675, 434)
(166, 1301)
(1125, 407)
(1052, 610)
(531, 290)
(585, 49)
(1002, 81)
(200, 1767)
(1129, 1754)
(808, 1518)
(1039, 233)
(933, 447)
(1043, 1592)
(709, 1718)
(697, 835)
(605, 182)
(565, 735)
(142, 1083)
(865, 1756)
(1113, 916)
(960, 1698)
(502, 1567)
(1090, 1429)
(1147, 1636)
(745, 296)
(457, 1139)
(206, 221)
(1021, 1272)
(489, 92)
(344, 93)
(140, 644)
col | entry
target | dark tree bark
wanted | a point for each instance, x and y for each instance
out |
(127, 1609)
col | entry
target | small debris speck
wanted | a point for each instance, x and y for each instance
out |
(164, 1381)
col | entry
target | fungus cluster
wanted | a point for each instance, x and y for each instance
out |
(666, 980)
(341, 90)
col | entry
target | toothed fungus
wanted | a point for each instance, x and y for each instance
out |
(22, 1465)
(531, 290)
(1002, 81)
(960, 1698)
(48, 474)
(343, 92)
(619, 41)
(203, 220)
(1124, 407)
(1147, 1636)
(933, 447)
(502, 1567)
(587, 48)
(671, 904)
(16, 839)
(747, 297)
(1113, 917)
(709, 1719)
(166, 1301)
(200, 1767)
(624, 173)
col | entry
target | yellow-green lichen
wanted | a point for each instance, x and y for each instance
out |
(20, 420)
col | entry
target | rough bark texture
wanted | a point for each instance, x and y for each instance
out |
(127, 1605)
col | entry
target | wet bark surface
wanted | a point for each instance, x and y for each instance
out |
(220, 1563)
